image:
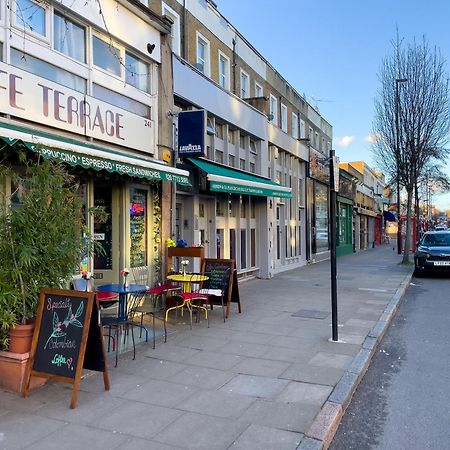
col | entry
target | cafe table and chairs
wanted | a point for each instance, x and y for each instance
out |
(190, 298)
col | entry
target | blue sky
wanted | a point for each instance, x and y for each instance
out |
(331, 51)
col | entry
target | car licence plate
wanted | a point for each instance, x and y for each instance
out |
(442, 263)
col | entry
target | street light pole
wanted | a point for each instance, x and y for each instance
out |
(334, 310)
(397, 154)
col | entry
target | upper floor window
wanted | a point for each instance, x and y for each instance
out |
(284, 117)
(69, 37)
(258, 90)
(294, 126)
(31, 16)
(175, 28)
(302, 129)
(137, 72)
(106, 56)
(273, 109)
(203, 54)
(245, 84)
(224, 71)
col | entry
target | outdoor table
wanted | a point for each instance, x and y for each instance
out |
(187, 279)
(123, 294)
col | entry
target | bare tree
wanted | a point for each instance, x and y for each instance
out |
(412, 117)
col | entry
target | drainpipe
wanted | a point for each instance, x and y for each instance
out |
(184, 31)
(234, 65)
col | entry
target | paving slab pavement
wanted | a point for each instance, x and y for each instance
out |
(268, 378)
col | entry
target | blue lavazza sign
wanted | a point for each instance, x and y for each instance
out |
(191, 133)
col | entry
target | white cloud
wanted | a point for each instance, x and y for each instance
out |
(371, 138)
(344, 141)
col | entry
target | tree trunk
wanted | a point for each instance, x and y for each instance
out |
(407, 246)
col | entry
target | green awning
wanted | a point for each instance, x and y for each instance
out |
(225, 179)
(88, 156)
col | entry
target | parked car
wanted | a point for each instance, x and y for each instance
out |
(440, 228)
(433, 253)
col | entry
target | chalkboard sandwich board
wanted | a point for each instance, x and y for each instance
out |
(66, 336)
(222, 275)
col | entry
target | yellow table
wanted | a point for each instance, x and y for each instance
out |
(187, 280)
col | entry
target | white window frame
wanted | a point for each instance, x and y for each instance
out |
(294, 125)
(226, 75)
(244, 76)
(207, 60)
(175, 31)
(258, 87)
(115, 44)
(48, 25)
(87, 37)
(284, 114)
(273, 109)
(302, 129)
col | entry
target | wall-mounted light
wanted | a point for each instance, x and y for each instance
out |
(150, 48)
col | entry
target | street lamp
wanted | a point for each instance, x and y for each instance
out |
(334, 309)
(397, 154)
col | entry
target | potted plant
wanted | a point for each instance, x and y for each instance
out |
(42, 238)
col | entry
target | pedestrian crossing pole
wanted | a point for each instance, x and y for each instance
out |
(333, 189)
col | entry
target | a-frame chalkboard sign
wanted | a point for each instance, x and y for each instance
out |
(67, 338)
(223, 275)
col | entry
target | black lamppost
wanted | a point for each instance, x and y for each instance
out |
(397, 154)
(334, 310)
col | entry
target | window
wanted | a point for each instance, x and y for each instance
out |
(244, 85)
(253, 147)
(242, 164)
(243, 249)
(106, 56)
(302, 129)
(49, 71)
(175, 29)
(127, 103)
(69, 38)
(294, 126)
(316, 140)
(273, 111)
(219, 157)
(224, 71)
(31, 17)
(219, 210)
(284, 118)
(231, 136)
(138, 227)
(231, 160)
(202, 54)
(242, 141)
(252, 167)
(258, 90)
(137, 72)
(219, 130)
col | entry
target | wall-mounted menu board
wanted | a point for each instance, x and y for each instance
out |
(65, 320)
(222, 275)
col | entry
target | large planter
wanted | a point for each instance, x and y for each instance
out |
(20, 338)
(12, 372)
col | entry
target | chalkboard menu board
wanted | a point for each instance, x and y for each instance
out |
(222, 275)
(64, 322)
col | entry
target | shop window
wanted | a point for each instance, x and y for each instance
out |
(253, 247)
(106, 56)
(48, 71)
(138, 227)
(69, 37)
(243, 249)
(219, 242)
(232, 244)
(137, 72)
(321, 215)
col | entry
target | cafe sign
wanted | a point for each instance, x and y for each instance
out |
(34, 98)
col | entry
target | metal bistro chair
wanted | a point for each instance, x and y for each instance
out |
(125, 323)
(154, 301)
(192, 299)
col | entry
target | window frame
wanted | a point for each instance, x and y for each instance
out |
(260, 87)
(302, 129)
(284, 116)
(294, 125)
(46, 37)
(149, 71)
(244, 75)
(273, 110)
(168, 11)
(114, 44)
(85, 27)
(226, 76)
(207, 61)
